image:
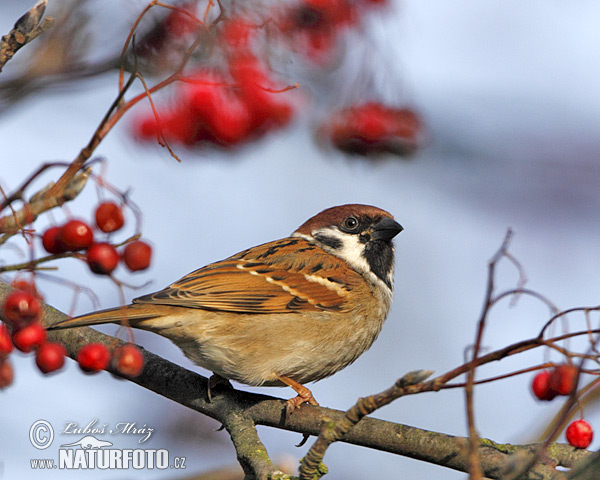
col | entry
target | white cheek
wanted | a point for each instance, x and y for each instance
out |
(352, 251)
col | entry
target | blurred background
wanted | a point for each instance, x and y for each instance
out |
(507, 134)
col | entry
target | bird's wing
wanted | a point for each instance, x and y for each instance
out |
(288, 275)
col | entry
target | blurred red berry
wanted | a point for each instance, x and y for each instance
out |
(6, 373)
(540, 386)
(372, 128)
(137, 256)
(179, 23)
(29, 337)
(52, 242)
(203, 93)
(76, 235)
(109, 217)
(231, 125)
(50, 357)
(237, 33)
(562, 379)
(181, 126)
(93, 357)
(128, 360)
(102, 258)
(580, 434)
(20, 308)
(145, 127)
(6, 345)
(311, 15)
(28, 287)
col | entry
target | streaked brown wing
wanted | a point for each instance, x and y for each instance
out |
(270, 278)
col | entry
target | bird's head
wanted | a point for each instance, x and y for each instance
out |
(359, 234)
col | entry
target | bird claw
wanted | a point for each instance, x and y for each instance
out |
(216, 381)
(304, 396)
(305, 437)
(294, 403)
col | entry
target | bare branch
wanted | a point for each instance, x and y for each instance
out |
(26, 29)
(41, 202)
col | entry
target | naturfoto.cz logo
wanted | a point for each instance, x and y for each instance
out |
(90, 452)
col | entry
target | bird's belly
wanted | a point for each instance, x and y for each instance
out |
(258, 349)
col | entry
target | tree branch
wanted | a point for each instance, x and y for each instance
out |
(39, 203)
(240, 411)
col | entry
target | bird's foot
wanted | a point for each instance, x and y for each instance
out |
(216, 381)
(304, 395)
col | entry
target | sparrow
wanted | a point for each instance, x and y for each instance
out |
(287, 312)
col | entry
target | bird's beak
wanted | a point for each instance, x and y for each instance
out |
(386, 229)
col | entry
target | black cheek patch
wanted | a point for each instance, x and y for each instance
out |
(331, 242)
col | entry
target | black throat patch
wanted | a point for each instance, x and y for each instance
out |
(380, 257)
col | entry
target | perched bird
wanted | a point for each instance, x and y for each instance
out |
(288, 312)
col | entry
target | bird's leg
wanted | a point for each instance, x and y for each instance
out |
(213, 382)
(304, 395)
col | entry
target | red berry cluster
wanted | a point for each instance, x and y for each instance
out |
(21, 311)
(222, 107)
(313, 26)
(102, 257)
(126, 359)
(374, 128)
(549, 384)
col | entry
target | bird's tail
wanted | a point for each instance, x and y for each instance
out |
(126, 315)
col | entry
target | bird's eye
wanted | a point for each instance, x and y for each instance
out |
(350, 224)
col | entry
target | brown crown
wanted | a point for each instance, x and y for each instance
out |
(334, 216)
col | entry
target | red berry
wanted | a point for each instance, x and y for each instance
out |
(21, 308)
(562, 379)
(52, 242)
(145, 128)
(6, 345)
(109, 217)
(26, 286)
(237, 33)
(540, 387)
(50, 357)
(374, 128)
(178, 23)
(30, 337)
(6, 373)
(580, 434)
(93, 357)
(102, 258)
(128, 360)
(76, 235)
(137, 256)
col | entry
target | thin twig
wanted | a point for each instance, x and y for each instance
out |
(311, 466)
(475, 470)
